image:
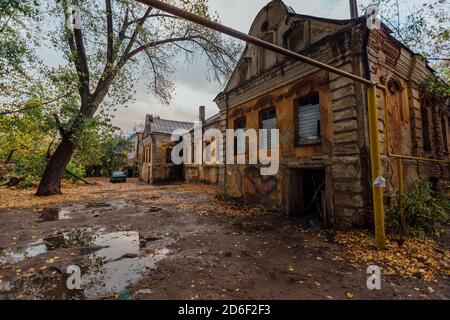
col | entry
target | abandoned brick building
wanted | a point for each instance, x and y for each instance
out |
(157, 147)
(322, 117)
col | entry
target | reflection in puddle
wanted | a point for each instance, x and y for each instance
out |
(121, 263)
(53, 214)
(113, 262)
(92, 210)
(14, 255)
(75, 238)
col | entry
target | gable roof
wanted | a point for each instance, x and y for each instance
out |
(155, 125)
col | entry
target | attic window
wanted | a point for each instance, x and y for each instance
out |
(265, 26)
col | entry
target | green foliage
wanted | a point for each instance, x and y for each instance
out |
(77, 170)
(30, 167)
(114, 150)
(15, 50)
(25, 138)
(424, 212)
(25, 184)
(424, 29)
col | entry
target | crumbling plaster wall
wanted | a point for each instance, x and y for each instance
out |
(403, 73)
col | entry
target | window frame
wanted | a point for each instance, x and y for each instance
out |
(305, 142)
(235, 122)
(260, 116)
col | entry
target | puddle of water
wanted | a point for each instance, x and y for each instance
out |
(53, 214)
(114, 261)
(14, 255)
(75, 238)
(122, 263)
(92, 210)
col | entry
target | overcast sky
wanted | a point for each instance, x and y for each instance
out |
(191, 84)
(192, 88)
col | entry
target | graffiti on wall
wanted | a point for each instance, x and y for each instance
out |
(263, 185)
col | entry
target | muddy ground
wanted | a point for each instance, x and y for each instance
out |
(177, 242)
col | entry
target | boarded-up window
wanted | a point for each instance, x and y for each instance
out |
(308, 118)
(425, 128)
(239, 144)
(269, 122)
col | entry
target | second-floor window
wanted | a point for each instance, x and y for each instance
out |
(268, 119)
(239, 146)
(307, 115)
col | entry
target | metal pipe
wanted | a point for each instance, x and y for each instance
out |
(250, 39)
(377, 190)
(388, 138)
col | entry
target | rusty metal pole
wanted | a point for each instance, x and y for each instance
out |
(250, 39)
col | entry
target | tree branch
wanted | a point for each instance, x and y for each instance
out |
(59, 126)
(110, 31)
(76, 45)
(159, 43)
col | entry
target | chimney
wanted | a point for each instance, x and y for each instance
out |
(150, 118)
(201, 114)
(353, 9)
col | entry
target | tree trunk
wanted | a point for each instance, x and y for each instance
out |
(51, 180)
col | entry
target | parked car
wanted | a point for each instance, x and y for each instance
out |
(118, 176)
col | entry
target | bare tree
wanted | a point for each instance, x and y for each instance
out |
(118, 42)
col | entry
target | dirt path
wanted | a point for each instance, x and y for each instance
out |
(175, 242)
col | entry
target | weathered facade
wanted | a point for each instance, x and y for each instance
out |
(207, 171)
(134, 155)
(322, 117)
(157, 146)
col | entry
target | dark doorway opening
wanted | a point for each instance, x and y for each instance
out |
(307, 196)
(130, 173)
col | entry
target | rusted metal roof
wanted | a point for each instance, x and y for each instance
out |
(163, 126)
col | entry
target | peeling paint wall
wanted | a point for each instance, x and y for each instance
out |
(408, 104)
